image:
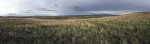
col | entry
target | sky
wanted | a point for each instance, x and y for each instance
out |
(71, 7)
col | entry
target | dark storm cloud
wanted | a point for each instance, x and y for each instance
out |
(78, 6)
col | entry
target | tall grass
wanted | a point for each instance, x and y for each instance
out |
(116, 31)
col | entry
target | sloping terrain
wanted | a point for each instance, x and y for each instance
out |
(131, 28)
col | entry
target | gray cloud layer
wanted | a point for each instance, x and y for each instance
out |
(77, 7)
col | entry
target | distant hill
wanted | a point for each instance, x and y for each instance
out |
(102, 14)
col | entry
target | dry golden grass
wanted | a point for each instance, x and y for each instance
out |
(131, 28)
(51, 21)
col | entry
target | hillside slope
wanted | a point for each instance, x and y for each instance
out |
(131, 28)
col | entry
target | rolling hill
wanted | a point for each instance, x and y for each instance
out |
(130, 28)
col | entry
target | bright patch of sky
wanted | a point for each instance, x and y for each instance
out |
(8, 6)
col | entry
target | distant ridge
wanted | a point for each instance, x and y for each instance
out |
(102, 14)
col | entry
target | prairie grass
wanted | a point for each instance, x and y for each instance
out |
(126, 29)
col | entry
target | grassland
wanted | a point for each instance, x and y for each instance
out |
(131, 28)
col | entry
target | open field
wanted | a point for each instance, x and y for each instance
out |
(131, 28)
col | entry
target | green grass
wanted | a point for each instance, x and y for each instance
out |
(127, 29)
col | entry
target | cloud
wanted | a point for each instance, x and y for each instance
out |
(111, 5)
(80, 7)
(74, 7)
(8, 6)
